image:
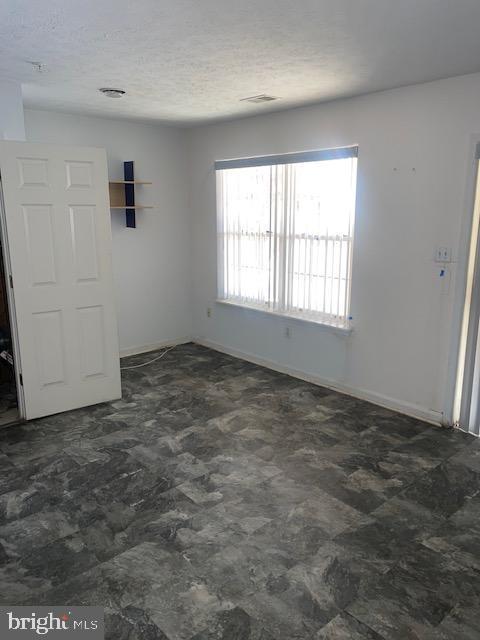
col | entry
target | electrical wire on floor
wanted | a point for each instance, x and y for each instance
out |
(144, 364)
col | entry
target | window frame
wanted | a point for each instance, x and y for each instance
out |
(319, 319)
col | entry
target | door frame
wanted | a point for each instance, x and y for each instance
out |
(460, 280)
(11, 307)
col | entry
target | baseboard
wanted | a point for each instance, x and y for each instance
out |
(133, 351)
(413, 410)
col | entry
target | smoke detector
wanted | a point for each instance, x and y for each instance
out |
(112, 93)
(257, 99)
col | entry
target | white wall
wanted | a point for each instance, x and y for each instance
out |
(151, 263)
(414, 146)
(12, 125)
(412, 190)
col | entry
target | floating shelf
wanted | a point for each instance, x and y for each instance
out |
(129, 182)
(137, 206)
(122, 194)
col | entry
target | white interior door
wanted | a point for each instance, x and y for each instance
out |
(57, 217)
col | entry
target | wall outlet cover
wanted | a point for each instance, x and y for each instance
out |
(443, 254)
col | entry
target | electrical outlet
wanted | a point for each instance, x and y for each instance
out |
(288, 332)
(209, 312)
(443, 254)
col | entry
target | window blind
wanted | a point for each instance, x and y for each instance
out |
(285, 233)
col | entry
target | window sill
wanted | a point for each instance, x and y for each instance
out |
(344, 331)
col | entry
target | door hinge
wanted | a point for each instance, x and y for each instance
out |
(20, 377)
(10, 277)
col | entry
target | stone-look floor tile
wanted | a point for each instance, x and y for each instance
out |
(282, 619)
(469, 456)
(18, 587)
(204, 442)
(136, 487)
(204, 537)
(437, 444)
(408, 519)
(377, 441)
(60, 560)
(33, 532)
(238, 419)
(346, 627)
(461, 623)
(342, 572)
(26, 452)
(291, 536)
(238, 571)
(124, 526)
(240, 471)
(12, 478)
(342, 403)
(398, 609)
(460, 545)
(442, 576)
(341, 426)
(350, 458)
(86, 451)
(404, 466)
(220, 500)
(281, 495)
(122, 581)
(80, 480)
(233, 624)
(131, 623)
(445, 489)
(468, 516)
(185, 467)
(398, 425)
(320, 588)
(183, 606)
(24, 502)
(201, 491)
(122, 439)
(374, 543)
(363, 489)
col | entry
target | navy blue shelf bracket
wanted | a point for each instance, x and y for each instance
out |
(128, 174)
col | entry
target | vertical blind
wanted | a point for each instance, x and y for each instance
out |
(285, 231)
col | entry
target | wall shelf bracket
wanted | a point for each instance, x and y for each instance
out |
(122, 194)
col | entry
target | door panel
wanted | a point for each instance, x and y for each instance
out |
(92, 330)
(58, 227)
(49, 348)
(40, 243)
(79, 174)
(84, 242)
(33, 172)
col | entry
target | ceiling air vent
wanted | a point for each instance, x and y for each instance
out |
(261, 98)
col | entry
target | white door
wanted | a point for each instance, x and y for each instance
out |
(57, 216)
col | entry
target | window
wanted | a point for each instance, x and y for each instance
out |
(285, 232)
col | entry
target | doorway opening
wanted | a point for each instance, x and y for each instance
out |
(466, 404)
(9, 413)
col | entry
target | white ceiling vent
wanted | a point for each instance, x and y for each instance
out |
(261, 98)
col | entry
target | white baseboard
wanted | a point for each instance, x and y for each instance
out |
(133, 351)
(409, 409)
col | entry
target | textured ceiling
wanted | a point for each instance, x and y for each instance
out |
(191, 61)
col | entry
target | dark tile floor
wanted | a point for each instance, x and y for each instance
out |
(221, 500)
